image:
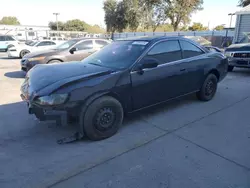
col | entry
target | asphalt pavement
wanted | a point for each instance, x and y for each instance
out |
(184, 143)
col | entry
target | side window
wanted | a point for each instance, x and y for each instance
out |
(44, 43)
(53, 38)
(2, 38)
(85, 45)
(101, 43)
(166, 52)
(51, 43)
(31, 34)
(9, 38)
(190, 50)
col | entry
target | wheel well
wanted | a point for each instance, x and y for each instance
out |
(114, 95)
(215, 72)
(54, 60)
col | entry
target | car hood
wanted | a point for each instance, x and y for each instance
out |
(239, 47)
(43, 53)
(42, 76)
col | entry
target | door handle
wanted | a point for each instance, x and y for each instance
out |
(182, 70)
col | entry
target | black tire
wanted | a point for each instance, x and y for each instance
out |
(54, 61)
(230, 68)
(208, 88)
(102, 118)
(23, 53)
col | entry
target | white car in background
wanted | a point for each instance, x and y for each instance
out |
(23, 49)
(7, 41)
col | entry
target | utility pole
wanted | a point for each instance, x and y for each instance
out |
(56, 14)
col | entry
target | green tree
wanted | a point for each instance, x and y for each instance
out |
(75, 25)
(110, 15)
(159, 16)
(197, 27)
(147, 12)
(244, 3)
(132, 14)
(179, 11)
(219, 27)
(53, 26)
(9, 20)
(121, 16)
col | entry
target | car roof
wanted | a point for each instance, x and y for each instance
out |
(150, 39)
(85, 38)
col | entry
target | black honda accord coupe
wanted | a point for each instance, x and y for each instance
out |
(123, 77)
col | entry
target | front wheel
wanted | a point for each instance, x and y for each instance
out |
(208, 88)
(102, 118)
(23, 53)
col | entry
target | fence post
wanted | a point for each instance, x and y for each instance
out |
(134, 33)
(194, 33)
(153, 33)
(126, 35)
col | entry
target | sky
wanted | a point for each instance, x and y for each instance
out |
(40, 12)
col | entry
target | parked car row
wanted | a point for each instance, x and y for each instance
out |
(23, 49)
(71, 50)
(123, 77)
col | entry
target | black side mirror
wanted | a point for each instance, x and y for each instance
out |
(72, 50)
(149, 65)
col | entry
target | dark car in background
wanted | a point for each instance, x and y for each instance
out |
(123, 77)
(72, 50)
(239, 54)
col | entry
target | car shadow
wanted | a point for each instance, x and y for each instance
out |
(15, 121)
(241, 71)
(9, 58)
(15, 74)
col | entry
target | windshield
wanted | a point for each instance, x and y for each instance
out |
(118, 55)
(246, 39)
(67, 44)
(32, 43)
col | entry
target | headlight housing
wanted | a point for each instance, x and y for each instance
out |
(36, 58)
(51, 100)
(229, 54)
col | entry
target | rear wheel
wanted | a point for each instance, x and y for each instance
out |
(208, 88)
(102, 118)
(230, 68)
(23, 53)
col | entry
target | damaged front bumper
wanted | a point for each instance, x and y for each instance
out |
(61, 117)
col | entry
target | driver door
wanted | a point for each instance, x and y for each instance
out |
(83, 50)
(154, 85)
